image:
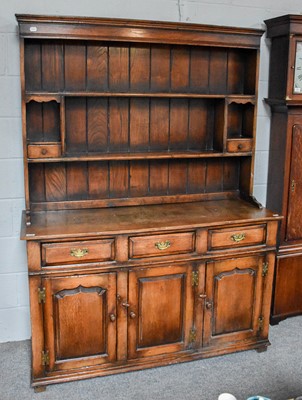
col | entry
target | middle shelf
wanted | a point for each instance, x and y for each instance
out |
(105, 128)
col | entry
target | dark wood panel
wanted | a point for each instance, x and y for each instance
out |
(218, 71)
(75, 67)
(214, 176)
(75, 336)
(34, 122)
(76, 181)
(97, 67)
(294, 217)
(76, 130)
(234, 312)
(160, 68)
(180, 65)
(55, 182)
(43, 121)
(177, 177)
(198, 125)
(97, 124)
(51, 121)
(154, 313)
(179, 122)
(199, 70)
(235, 72)
(33, 66)
(119, 68)
(288, 289)
(139, 178)
(139, 68)
(52, 66)
(118, 124)
(98, 180)
(159, 124)
(139, 124)
(231, 174)
(36, 182)
(196, 176)
(119, 179)
(159, 177)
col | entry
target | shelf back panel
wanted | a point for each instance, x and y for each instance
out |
(102, 180)
(119, 67)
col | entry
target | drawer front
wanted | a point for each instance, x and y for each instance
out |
(161, 245)
(44, 150)
(239, 145)
(237, 237)
(77, 252)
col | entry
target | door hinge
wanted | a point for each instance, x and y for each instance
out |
(260, 323)
(192, 335)
(45, 357)
(41, 295)
(195, 278)
(264, 269)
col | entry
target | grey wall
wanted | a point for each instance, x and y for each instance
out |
(14, 309)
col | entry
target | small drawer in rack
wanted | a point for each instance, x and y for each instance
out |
(77, 252)
(253, 235)
(161, 245)
(44, 150)
(239, 145)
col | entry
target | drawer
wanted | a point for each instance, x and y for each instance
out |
(238, 236)
(239, 145)
(44, 150)
(161, 245)
(77, 252)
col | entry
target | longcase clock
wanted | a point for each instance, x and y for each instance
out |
(284, 193)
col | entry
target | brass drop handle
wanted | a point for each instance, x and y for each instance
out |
(293, 185)
(112, 317)
(238, 237)
(78, 252)
(132, 315)
(163, 245)
(202, 296)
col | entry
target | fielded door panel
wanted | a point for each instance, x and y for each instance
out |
(234, 299)
(294, 218)
(80, 320)
(160, 314)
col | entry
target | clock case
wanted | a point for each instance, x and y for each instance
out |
(284, 189)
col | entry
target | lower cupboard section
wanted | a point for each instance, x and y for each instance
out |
(117, 321)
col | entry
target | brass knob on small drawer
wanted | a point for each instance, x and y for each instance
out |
(238, 237)
(163, 245)
(239, 147)
(44, 152)
(112, 317)
(78, 252)
(132, 315)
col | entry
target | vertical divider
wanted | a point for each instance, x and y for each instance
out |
(225, 126)
(62, 125)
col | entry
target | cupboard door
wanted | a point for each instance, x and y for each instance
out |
(160, 313)
(294, 218)
(233, 305)
(80, 320)
(287, 298)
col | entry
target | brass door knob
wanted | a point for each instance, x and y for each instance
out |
(132, 315)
